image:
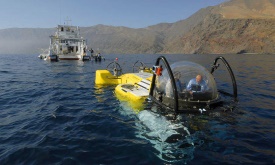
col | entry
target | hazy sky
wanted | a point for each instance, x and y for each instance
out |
(129, 13)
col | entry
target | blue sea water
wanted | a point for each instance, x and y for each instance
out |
(53, 113)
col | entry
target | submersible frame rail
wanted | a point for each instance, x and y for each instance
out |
(173, 83)
(215, 66)
(171, 78)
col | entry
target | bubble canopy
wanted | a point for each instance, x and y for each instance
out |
(188, 87)
(194, 84)
(185, 74)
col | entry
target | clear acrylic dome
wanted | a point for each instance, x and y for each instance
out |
(193, 82)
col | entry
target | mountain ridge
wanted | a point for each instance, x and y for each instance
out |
(237, 26)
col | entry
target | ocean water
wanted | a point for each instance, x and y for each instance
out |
(53, 113)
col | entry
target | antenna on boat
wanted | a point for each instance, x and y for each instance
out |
(59, 12)
(67, 20)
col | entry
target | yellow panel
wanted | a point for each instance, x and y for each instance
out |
(104, 77)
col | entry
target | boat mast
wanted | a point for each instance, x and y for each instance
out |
(67, 21)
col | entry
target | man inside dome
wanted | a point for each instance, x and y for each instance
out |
(197, 84)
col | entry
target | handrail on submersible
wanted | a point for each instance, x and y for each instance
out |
(170, 73)
(215, 66)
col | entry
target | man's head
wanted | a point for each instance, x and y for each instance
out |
(198, 78)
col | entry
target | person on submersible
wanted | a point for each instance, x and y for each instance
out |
(168, 87)
(197, 85)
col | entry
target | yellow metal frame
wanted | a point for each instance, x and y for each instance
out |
(134, 97)
(104, 77)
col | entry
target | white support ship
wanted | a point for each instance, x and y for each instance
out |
(66, 44)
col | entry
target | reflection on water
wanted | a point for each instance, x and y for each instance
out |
(171, 140)
(52, 113)
(217, 130)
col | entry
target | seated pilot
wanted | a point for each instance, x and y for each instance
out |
(197, 85)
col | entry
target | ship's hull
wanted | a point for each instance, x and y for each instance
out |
(69, 57)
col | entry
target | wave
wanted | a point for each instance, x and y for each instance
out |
(172, 140)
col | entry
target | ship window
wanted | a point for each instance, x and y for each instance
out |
(70, 49)
(76, 48)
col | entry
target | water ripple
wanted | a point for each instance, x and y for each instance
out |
(52, 113)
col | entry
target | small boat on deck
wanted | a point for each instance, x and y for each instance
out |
(44, 53)
(98, 57)
(67, 44)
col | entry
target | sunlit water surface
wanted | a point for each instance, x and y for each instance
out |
(54, 113)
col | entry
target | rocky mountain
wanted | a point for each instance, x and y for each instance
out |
(219, 36)
(236, 26)
(121, 40)
(247, 9)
